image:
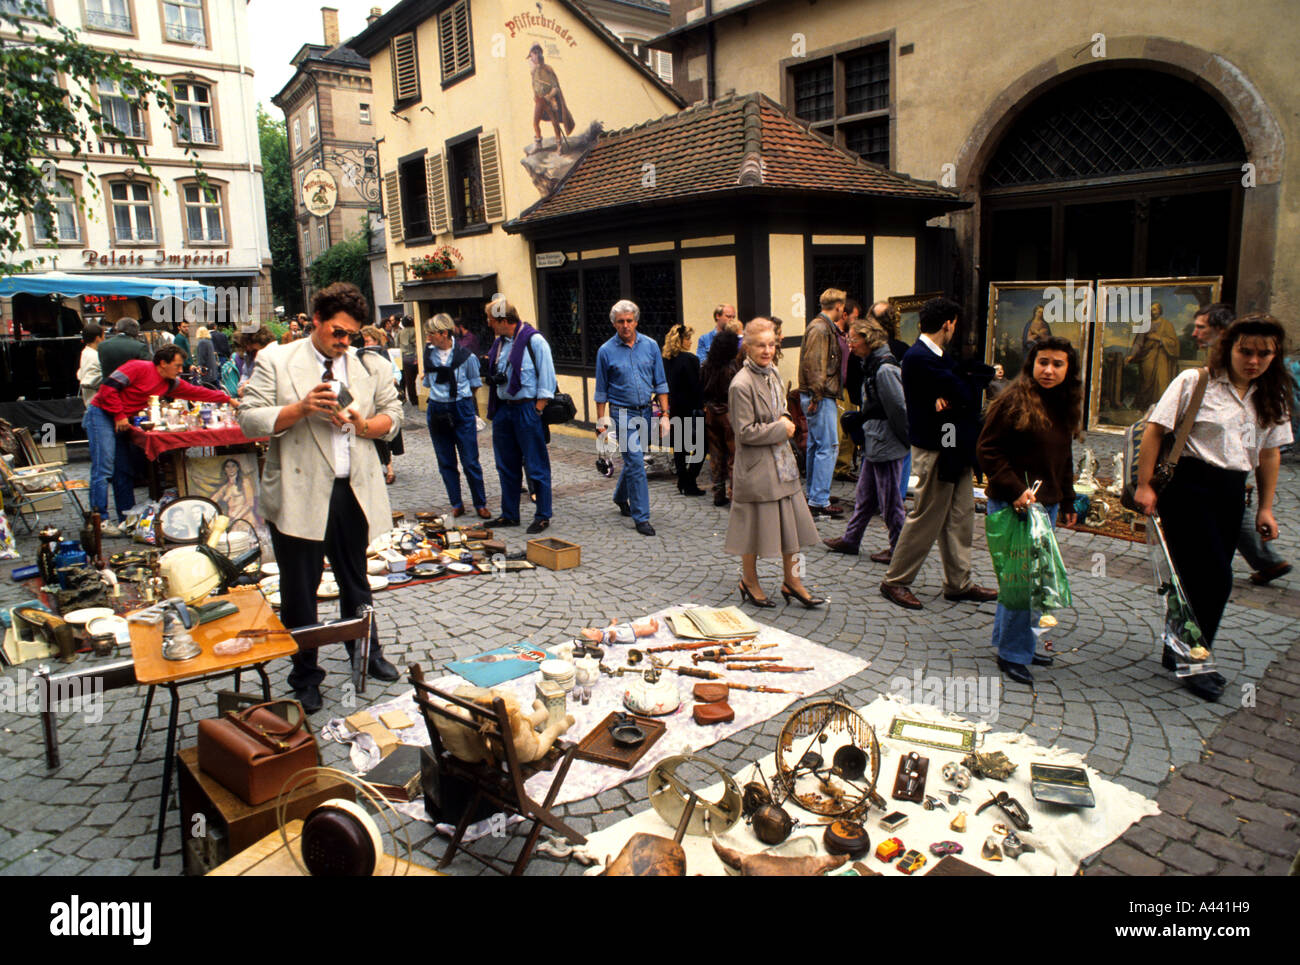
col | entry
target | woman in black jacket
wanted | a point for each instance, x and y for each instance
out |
(682, 370)
(716, 373)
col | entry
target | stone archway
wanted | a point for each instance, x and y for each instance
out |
(1223, 81)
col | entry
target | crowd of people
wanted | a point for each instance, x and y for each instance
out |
(900, 412)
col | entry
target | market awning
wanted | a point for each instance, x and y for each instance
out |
(67, 285)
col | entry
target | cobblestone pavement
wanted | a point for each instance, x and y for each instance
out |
(1106, 697)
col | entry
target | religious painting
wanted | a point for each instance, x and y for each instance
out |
(1144, 339)
(1021, 312)
(907, 314)
(230, 481)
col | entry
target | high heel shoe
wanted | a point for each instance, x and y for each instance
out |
(746, 594)
(808, 601)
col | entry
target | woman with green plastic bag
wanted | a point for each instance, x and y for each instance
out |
(1026, 440)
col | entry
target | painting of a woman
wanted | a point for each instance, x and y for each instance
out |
(236, 495)
(1035, 329)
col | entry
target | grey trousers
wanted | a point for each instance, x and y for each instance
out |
(941, 511)
(1260, 555)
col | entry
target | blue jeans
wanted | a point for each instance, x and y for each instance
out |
(633, 489)
(110, 458)
(1013, 630)
(823, 447)
(460, 436)
(907, 472)
(518, 443)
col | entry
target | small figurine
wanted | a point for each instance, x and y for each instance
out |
(1117, 475)
(991, 851)
(1087, 481)
(621, 632)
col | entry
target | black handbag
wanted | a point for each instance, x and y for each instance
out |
(559, 409)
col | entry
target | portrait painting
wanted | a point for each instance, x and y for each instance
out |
(1021, 312)
(907, 314)
(230, 481)
(1144, 340)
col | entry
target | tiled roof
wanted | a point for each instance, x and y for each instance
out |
(737, 143)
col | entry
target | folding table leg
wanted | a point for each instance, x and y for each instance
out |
(168, 763)
(144, 718)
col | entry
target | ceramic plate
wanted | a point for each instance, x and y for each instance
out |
(327, 591)
(113, 624)
(271, 569)
(427, 570)
(87, 614)
(273, 598)
(377, 582)
(460, 567)
(395, 578)
(269, 583)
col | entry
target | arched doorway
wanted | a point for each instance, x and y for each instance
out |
(1120, 173)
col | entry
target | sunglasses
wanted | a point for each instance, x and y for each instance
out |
(340, 334)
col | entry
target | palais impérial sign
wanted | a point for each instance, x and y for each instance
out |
(153, 259)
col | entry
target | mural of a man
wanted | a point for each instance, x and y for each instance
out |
(1156, 353)
(548, 100)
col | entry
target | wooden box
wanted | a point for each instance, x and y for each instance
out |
(554, 554)
(216, 825)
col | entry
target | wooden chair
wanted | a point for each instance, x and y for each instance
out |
(500, 779)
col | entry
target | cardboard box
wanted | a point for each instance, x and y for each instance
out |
(55, 453)
(395, 720)
(554, 554)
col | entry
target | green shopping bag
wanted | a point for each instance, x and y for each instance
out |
(1027, 560)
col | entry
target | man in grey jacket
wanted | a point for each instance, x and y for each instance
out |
(884, 430)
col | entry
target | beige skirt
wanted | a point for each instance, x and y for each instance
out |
(771, 529)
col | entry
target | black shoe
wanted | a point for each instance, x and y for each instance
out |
(720, 499)
(1043, 660)
(380, 669)
(808, 602)
(1207, 686)
(1168, 660)
(310, 699)
(502, 521)
(1016, 671)
(537, 525)
(747, 594)
(645, 529)
(691, 490)
(623, 508)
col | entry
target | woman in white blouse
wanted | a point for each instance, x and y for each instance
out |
(1240, 426)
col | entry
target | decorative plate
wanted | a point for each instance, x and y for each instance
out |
(377, 582)
(460, 567)
(87, 614)
(395, 578)
(271, 569)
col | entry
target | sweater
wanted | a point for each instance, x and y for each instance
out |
(127, 391)
(926, 379)
(1014, 460)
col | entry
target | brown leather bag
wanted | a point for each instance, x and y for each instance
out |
(719, 712)
(253, 752)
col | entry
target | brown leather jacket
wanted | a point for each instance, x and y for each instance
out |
(819, 359)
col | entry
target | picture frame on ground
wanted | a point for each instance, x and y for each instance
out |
(907, 313)
(1023, 311)
(1143, 340)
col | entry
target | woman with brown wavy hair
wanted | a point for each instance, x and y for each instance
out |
(1241, 424)
(1026, 439)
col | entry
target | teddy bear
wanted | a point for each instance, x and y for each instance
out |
(465, 743)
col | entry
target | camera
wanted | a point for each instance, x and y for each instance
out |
(495, 378)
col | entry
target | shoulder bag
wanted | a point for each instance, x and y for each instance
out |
(1171, 448)
(253, 752)
(561, 407)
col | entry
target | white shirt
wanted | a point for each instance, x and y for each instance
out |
(1226, 433)
(342, 442)
(933, 348)
(89, 373)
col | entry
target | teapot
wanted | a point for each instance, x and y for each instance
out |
(652, 694)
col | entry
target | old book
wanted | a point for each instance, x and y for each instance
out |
(397, 776)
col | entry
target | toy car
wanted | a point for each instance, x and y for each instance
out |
(889, 849)
(910, 862)
(942, 848)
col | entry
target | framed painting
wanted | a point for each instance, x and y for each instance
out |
(907, 314)
(1144, 339)
(230, 481)
(1021, 312)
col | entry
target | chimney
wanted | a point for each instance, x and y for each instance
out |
(375, 14)
(330, 19)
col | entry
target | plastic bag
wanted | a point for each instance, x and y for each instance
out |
(1180, 634)
(1027, 560)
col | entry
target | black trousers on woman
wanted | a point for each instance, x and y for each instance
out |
(301, 563)
(1201, 511)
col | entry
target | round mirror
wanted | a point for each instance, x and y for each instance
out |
(182, 520)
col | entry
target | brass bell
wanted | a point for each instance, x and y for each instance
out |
(958, 823)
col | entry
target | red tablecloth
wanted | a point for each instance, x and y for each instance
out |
(156, 443)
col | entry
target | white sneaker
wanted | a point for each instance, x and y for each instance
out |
(110, 529)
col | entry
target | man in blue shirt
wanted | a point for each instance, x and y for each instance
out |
(629, 372)
(521, 374)
(722, 314)
(451, 374)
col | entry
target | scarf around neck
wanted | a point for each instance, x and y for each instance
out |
(523, 332)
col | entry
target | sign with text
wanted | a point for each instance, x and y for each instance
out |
(320, 192)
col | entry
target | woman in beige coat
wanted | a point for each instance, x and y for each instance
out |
(769, 516)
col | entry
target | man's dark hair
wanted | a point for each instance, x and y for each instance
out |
(1218, 315)
(90, 333)
(342, 296)
(167, 353)
(851, 305)
(937, 311)
(127, 326)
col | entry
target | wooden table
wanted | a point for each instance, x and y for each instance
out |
(158, 443)
(269, 858)
(153, 670)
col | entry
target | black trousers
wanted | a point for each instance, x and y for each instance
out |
(688, 472)
(1201, 511)
(303, 560)
(410, 372)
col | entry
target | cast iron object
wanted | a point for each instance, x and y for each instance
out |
(754, 797)
(625, 732)
(846, 837)
(850, 762)
(772, 824)
(652, 856)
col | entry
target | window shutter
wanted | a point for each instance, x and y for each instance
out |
(494, 197)
(665, 66)
(439, 219)
(394, 206)
(464, 43)
(406, 73)
(455, 44)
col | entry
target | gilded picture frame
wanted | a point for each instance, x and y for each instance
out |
(1143, 338)
(1023, 310)
(907, 314)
